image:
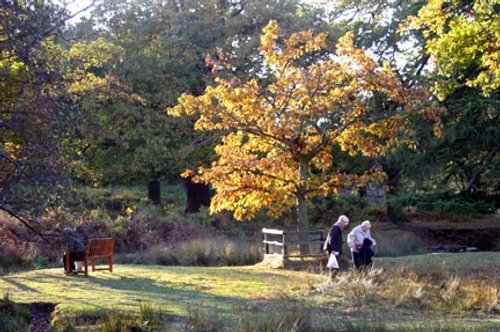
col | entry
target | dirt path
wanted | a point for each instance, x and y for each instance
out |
(40, 316)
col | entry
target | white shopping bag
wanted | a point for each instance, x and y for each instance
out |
(332, 262)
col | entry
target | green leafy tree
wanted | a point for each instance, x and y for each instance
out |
(462, 40)
(168, 48)
(34, 109)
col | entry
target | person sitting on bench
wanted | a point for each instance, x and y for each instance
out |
(75, 242)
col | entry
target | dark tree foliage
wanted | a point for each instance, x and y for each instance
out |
(34, 109)
(169, 48)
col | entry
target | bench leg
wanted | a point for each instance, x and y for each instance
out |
(111, 264)
(86, 266)
(93, 264)
(67, 267)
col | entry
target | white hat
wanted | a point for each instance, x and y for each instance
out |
(366, 223)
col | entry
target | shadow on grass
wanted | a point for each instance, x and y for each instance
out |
(19, 285)
(91, 291)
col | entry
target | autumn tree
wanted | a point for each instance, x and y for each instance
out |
(282, 127)
(461, 38)
(169, 48)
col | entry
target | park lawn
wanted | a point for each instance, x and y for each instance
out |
(255, 291)
(460, 263)
(172, 288)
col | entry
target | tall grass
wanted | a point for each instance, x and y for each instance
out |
(287, 315)
(13, 317)
(403, 287)
(206, 252)
(394, 243)
(148, 319)
(206, 319)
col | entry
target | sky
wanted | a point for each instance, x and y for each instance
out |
(74, 6)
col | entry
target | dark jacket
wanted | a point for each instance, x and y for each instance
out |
(366, 252)
(335, 243)
(74, 240)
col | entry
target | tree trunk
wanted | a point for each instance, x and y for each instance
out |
(474, 182)
(197, 195)
(154, 191)
(303, 219)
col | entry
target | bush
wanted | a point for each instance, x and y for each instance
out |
(16, 254)
(198, 252)
(447, 202)
(148, 319)
(457, 295)
(13, 317)
(357, 289)
(161, 255)
(394, 243)
(288, 315)
(205, 319)
(240, 252)
(404, 287)
(218, 252)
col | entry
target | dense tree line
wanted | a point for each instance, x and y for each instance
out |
(85, 102)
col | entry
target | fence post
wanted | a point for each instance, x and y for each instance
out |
(285, 249)
(321, 241)
(267, 244)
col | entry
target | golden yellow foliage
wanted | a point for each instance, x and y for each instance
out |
(280, 135)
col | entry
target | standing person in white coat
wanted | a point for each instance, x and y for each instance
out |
(355, 241)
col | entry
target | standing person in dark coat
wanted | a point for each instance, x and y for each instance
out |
(334, 242)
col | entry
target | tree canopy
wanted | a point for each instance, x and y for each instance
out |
(282, 127)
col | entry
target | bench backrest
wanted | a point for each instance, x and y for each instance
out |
(100, 247)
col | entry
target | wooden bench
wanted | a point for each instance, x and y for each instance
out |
(95, 249)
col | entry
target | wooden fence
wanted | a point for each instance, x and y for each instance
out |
(287, 243)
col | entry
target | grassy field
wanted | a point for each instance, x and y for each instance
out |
(421, 293)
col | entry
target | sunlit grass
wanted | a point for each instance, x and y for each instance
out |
(393, 297)
(128, 286)
(459, 262)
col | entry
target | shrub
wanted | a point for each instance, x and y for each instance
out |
(289, 315)
(205, 319)
(15, 253)
(132, 258)
(160, 255)
(362, 324)
(117, 322)
(198, 252)
(148, 319)
(218, 252)
(357, 288)
(447, 202)
(13, 317)
(457, 295)
(239, 252)
(405, 288)
(394, 243)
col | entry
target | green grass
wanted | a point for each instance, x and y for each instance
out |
(255, 295)
(458, 263)
(128, 286)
